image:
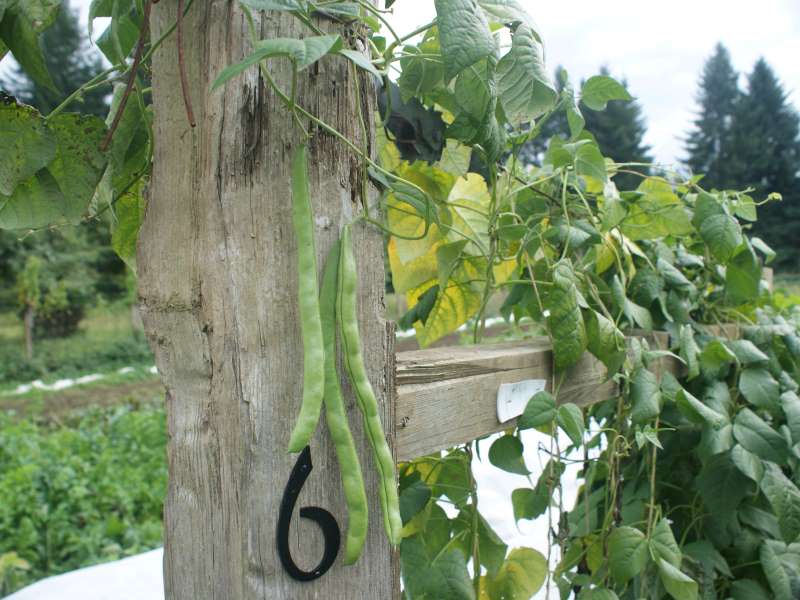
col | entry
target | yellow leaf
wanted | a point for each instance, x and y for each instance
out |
(455, 158)
(454, 305)
(606, 255)
(504, 270)
(469, 201)
(436, 182)
(404, 222)
(484, 589)
(412, 274)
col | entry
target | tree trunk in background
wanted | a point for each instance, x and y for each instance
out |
(218, 285)
(29, 321)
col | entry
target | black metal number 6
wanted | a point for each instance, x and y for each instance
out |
(325, 520)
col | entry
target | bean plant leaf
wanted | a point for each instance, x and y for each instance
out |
(26, 144)
(663, 544)
(476, 119)
(360, 60)
(747, 589)
(18, 34)
(755, 435)
(506, 453)
(59, 193)
(564, 319)
(575, 118)
(508, 12)
(627, 553)
(720, 473)
(453, 306)
(715, 359)
(784, 497)
(679, 585)
(636, 314)
(303, 52)
(776, 574)
(605, 341)
(463, 34)
(445, 578)
(790, 403)
(521, 576)
(413, 499)
(748, 463)
(590, 162)
(36, 202)
(645, 396)
(657, 212)
(79, 163)
(706, 554)
(119, 38)
(128, 213)
(746, 352)
(689, 350)
(570, 419)
(530, 503)
(598, 90)
(720, 231)
(760, 388)
(524, 86)
(743, 275)
(540, 411)
(699, 412)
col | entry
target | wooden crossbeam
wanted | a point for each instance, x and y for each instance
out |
(447, 396)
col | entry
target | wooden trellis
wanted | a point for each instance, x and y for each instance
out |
(217, 275)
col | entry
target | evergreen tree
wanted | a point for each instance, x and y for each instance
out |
(619, 131)
(766, 155)
(709, 143)
(71, 61)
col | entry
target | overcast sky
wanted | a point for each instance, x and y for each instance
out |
(658, 47)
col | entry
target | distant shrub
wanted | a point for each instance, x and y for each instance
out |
(61, 312)
(80, 493)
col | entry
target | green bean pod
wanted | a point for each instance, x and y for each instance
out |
(346, 312)
(336, 416)
(308, 298)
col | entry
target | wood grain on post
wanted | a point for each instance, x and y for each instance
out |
(218, 295)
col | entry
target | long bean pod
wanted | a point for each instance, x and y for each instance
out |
(346, 305)
(336, 417)
(308, 299)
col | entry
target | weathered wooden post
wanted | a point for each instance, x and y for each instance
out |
(217, 274)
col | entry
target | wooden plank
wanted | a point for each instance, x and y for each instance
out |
(447, 396)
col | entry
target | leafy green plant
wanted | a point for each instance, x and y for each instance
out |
(79, 493)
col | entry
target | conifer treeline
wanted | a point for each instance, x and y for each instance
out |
(748, 136)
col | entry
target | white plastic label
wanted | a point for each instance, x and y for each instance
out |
(513, 397)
